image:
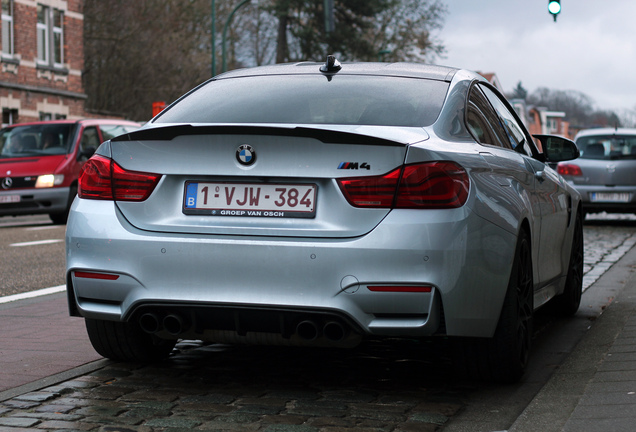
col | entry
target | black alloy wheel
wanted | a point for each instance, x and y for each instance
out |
(509, 349)
(503, 358)
(567, 303)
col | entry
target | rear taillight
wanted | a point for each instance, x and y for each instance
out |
(569, 170)
(431, 185)
(103, 179)
(377, 191)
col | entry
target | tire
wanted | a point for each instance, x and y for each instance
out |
(125, 341)
(567, 303)
(62, 217)
(59, 218)
(504, 357)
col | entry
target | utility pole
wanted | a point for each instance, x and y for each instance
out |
(330, 25)
(213, 38)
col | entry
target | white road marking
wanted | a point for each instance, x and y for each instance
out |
(45, 227)
(32, 294)
(36, 243)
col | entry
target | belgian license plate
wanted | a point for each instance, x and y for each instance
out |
(610, 197)
(250, 199)
(5, 199)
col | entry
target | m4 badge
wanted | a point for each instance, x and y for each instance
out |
(354, 165)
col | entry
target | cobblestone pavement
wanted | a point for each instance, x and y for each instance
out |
(606, 243)
(222, 388)
(406, 386)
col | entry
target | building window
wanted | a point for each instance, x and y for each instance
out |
(58, 37)
(43, 34)
(7, 28)
(50, 36)
(9, 116)
(46, 116)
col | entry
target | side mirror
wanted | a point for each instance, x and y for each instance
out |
(558, 149)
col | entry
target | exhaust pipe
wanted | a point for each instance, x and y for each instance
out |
(174, 324)
(334, 331)
(307, 330)
(149, 323)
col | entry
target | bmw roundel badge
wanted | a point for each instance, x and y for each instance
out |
(245, 155)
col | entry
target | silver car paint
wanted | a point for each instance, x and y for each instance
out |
(465, 254)
(447, 253)
(606, 176)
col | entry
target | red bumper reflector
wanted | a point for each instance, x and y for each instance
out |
(90, 275)
(404, 288)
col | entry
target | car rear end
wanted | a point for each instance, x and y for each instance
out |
(314, 231)
(605, 174)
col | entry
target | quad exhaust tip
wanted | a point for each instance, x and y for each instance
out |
(149, 323)
(308, 330)
(174, 324)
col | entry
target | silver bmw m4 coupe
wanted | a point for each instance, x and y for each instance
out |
(322, 204)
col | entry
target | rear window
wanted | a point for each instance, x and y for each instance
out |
(312, 99)
(53, 139)
(607, 147)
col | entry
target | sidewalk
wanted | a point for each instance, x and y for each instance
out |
(594, 390)
(38, 339)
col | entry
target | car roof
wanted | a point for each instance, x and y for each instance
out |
(605, 131)
(410, 70)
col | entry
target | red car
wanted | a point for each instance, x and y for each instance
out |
(40, 163)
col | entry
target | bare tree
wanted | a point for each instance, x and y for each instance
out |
(144, 51)
(404, 31)
(628, 117)
(578, 107)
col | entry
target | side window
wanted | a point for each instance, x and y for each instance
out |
(513, 130)
(482, 120)
(89, 141)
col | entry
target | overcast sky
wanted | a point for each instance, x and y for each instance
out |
(591, 48)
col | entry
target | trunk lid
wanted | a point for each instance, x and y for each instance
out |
(291, 165)
(620, 172)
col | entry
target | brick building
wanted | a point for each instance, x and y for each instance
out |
(42, 60)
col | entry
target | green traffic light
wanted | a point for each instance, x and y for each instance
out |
(554, 7)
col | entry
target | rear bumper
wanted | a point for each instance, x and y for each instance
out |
(590, 205)
(34, 201)
(463, 259)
